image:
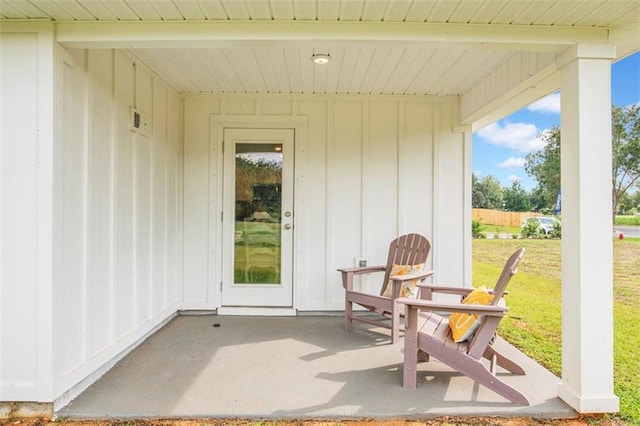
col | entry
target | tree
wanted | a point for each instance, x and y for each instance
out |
(486, 193)
(544, 167)
(516, 198)
(625, 128)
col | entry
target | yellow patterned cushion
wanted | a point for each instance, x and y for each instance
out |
(409, 288)
(464, 325)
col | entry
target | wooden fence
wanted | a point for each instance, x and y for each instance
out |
(496, 217)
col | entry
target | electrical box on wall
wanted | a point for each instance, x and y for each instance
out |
(362, 261)
(139, 122)
(134, 119)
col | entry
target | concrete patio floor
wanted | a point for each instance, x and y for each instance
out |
(304, 367)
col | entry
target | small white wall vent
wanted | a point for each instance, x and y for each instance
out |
(139, 122)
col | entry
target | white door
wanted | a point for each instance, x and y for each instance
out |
(258, 218)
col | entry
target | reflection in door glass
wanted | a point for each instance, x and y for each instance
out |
(258, 206)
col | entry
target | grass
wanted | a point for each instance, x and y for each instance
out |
(534, 320)
(627, 220)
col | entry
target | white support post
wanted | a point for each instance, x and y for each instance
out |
(587, 243)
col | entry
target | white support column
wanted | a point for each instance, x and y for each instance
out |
(587, 247)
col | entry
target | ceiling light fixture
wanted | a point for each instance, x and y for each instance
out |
(321, 58)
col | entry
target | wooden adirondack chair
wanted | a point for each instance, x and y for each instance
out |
(410, 249)
(427, 333)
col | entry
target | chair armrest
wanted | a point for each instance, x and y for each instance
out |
(462, 291)
(429, 305)
(412, 276)
(363, 270)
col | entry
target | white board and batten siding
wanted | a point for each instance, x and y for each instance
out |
(367, 169)
(114, 213)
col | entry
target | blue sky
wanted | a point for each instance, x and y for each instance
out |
(499, 149)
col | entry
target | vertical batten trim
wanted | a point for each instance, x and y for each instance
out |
(48, 132)
(87, 122)
(400, 144)
(113, 194)
(330, 151)
(436, 192)
(364, 150)
(134, 184)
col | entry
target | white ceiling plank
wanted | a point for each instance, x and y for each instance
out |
(320, 77)
(188, 62)
(371, 74)
(227, 71)
(551, 14)
(7, 11)
(419, 10)
(280, 67)
(395, 82)
(351, 10)
(157, 61)
(26, 8)
(52, 9)
(282, 9)
(306, 68)
(259, 10)
(532, 12)
(267, 70)
(167, 10)
(457, 78)
(363, 64)
(431, 72)
(76, 10)
(99, 10)
(620, 14)
(251, 65)
(442, 11)
(465, 11)
(487, 11)
(397, 10)
(453, 64)
(121, 9)
(243, 75)
(374, 10)
(292, 59)
(189, 9)
(347, 68)
(213, 10)
(387, 69)
(334, 69)
(235, 9)
(144, 10)
(596, 14)
(209, 60)
(412, 71)
(304, 10)
(328, 10)
(509, 12)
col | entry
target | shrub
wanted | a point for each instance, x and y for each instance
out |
(530, 229)
(477, 230)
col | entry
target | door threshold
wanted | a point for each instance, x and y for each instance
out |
(256, 311)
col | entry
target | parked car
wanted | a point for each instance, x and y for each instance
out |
(544, 224)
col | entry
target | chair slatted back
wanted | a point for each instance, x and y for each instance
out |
(489, 325)
(409, 249)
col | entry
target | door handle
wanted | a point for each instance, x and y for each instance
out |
(287, 226)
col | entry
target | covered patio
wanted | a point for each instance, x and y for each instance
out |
(122, 125)
(304, 367)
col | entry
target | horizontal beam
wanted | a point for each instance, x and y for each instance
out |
(296, 33)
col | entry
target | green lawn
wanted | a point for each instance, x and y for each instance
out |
(534, 320)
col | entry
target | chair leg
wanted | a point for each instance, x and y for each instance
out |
(395, 324)
(348, 315)
(504, 362)
(485, 378)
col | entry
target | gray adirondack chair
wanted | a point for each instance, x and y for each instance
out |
(428, 334)
(410, 249)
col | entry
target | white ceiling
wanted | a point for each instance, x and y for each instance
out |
(384, 63)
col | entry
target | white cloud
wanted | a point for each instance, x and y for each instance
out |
(550, 104)
(518, 136)
(512, 162)
(514, 178)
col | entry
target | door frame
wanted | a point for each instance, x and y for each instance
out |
(216, 187)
